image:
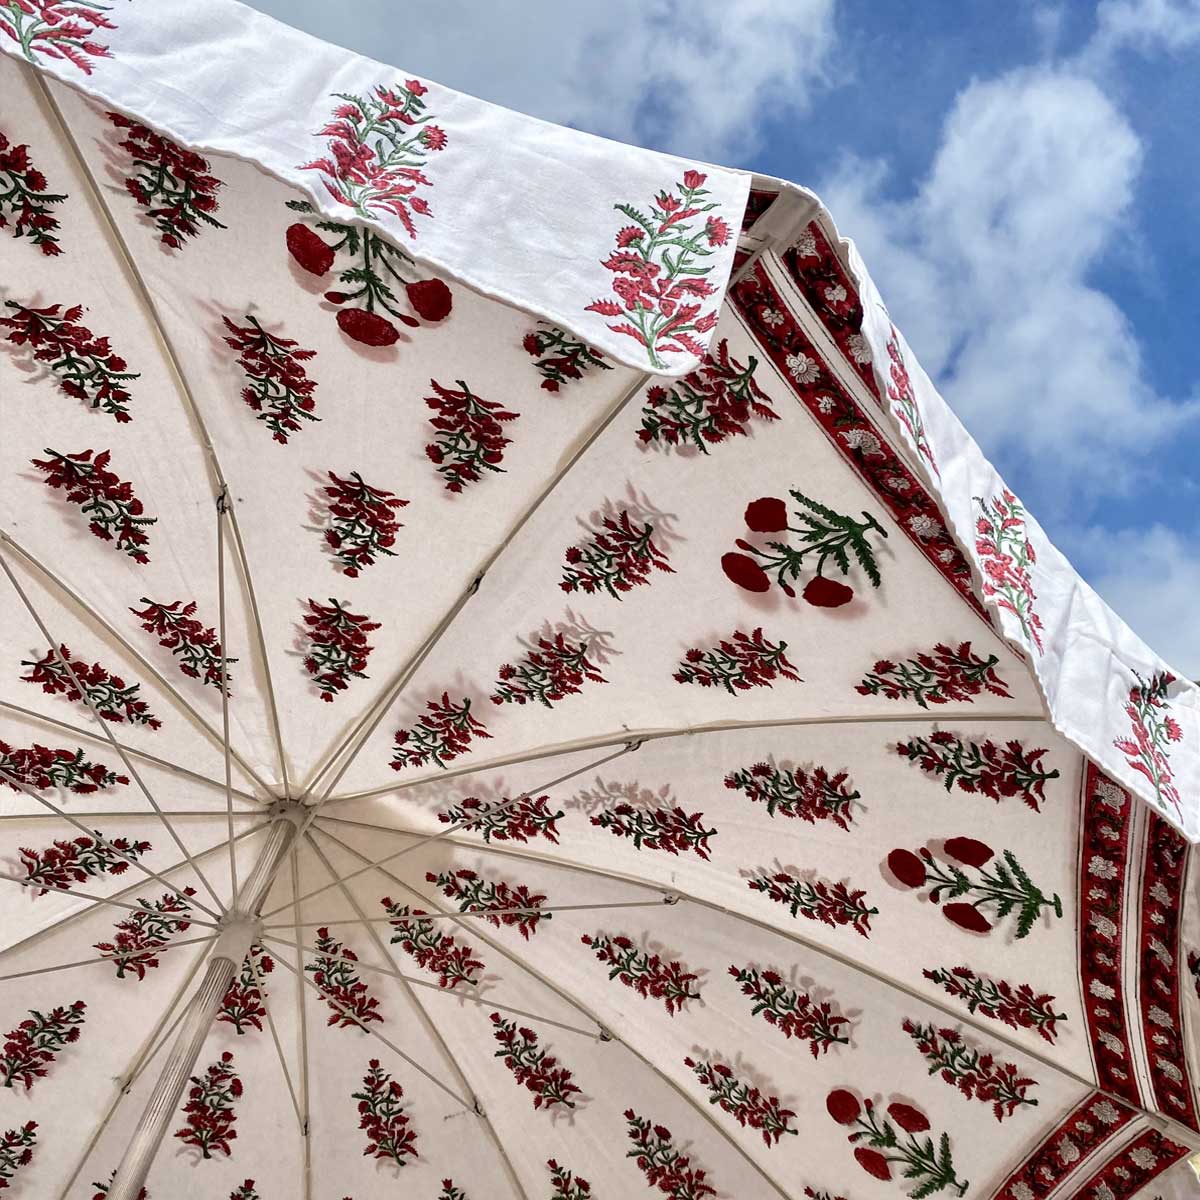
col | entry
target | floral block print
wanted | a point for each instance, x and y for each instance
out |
(669, 829)
(1006, 555)
(210, 1109)
(40, 767)
(560, 357)
(244, 1004)
(195, 645)
(743, 1101)
(505, 903)
(51, 30)
(982, 768)
(832, 904)
(247, 1191)
(976, 1074)
(1019, 1006)
(533, 1068)
(557, 668)
(378, 145)
(430, 948)
(522, 819)
(896, 1140)
(665, 1169)
(828, 538)
(383, 1118)
(360, 522)
(450, 1192)
(650, 975)
(1152, 731)
(25, 205)
(616, 558)
(337, 648)
(35, 1043)
(904, 404)
(468, 434)
(795, 1014)
(16, 1149)
(810, 796)
(83, 365)
(93, 686)
(999, 886)
(145, 932)
(939, 676)
(79, 859)
(660, 271)
(350, 1002)
(737, 663)
(717, 401)
(278, 388)
(567, 1185)
(443, 732)
(175, 186)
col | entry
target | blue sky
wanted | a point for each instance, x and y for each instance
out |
(1023, 180)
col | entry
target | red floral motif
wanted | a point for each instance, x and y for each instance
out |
(567, 1185)
(78, 860)
(1017, 1006)
(361, 521)
(196, 646)
(337, 645)
(34, 1044)
(669, 829)
(102, 691)
(535, 1069)
(23, 195)
(438, 952)
(439, 736)
(1004, 887)
(40, 767)
(795, 1014)
(450, 1192)
(929, 1168)
(935, 677)
(381, 1115)
(660, 271)
(810, 796)
(210, 1109)
(905, 408)
(1154, 729)
(716, 402)
(664, 1167)
(469, 437)
(277, 388)
(83, 364)
(560, 357)
(979, 1076)
(1138, 1163)
(743, 1101)
(1006, 555)
(832, 904)
(472, 893)
(143, 933)
(650, 975)
(377, 147)
(246, 1192)
(51, 29)
(618, 557)
(243, 1005)
(16, 1146)
(172, 184)
(556, 669)
(351, 1004)
(981, 767)
(738, 663)
(522, 820)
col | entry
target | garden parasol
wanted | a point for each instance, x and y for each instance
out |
(516, 685)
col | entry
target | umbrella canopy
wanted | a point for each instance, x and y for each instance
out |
(513, 683)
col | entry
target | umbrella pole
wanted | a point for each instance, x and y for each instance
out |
(239, 929)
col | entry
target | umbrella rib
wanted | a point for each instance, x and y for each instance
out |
(493, 912)
(145, 664)
(117, 814)
(222, 508)
(87, 962)
(302, 1011)
(287, 1075)
(49, 887)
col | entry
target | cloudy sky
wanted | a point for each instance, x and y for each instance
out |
(1023, 180)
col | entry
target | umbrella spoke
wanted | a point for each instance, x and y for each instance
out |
(287, 1075)
(87, 962)
(25, 883)
(222, 509)
(302, 1016)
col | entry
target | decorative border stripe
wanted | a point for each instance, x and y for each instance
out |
(1126, 1173)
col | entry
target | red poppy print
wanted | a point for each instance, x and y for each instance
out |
(1006, 555)
(52, 30)
(420, 938)
(40, 767)
(175, 186)
(247, 1191)
(904, 404)
(794, 1013)
(743, 1101)
(360, 522)
(832, 904)
(810, 796)
(16, 1149)
(616, 558)
(378, 145)
(939, 676)
(469, 434)
(506, 904)
(981, 767)
(244, 1004)
(195, 645)
(278, 388)
(146, 931)
(1153, 731)
(31, 1048)
(659, 268)
(567, 1185)
(532, 1067)
(1019, 1006)
(93, 686)
(738, 663)
(25, 204)
(383, 1117)
(554, 670)
(336, 648)
(665, 1169)
(719, 400)
(79, 859)
(670, 829)
(651, 975)
(999, 886)
(442, 733)
(519, 820)
(210, 1110)
(83, 364)
(350, 1002)
(560, 357)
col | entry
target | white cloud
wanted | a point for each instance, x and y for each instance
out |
(1148, 26)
